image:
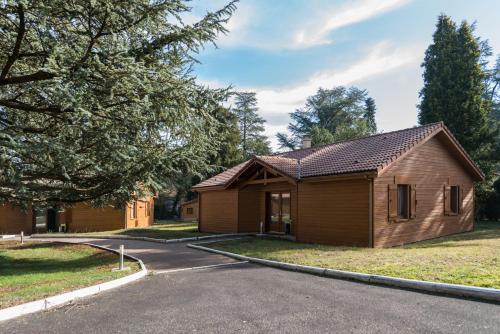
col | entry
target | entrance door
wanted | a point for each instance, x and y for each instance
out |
(278, 209)
(51, 220)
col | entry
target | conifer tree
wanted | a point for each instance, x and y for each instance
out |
(97, 99)
(454, 88)
(251, 125)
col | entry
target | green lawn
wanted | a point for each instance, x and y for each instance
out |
(470, 258)
(160, 230)
(36, 270)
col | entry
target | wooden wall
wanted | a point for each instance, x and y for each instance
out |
(252, 205)
(143, 219)
(84, 218)
(430, 166)
(218, 211)
(250, 209)
(185, 216)
(334, 212)
(13, 220)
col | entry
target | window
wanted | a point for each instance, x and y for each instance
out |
(189, 211)
(133, 211)
(455, 200)
(403, 201)
(148, 209)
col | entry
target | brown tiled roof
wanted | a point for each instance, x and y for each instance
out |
(359, 155)
(222, 178)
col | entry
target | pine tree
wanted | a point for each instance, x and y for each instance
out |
(454, 88)
(251, 125)
(369, 115)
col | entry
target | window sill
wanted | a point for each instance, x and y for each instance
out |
(399, 220)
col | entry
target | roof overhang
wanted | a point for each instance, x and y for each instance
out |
(452, 142)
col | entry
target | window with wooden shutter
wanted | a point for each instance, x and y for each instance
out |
(447, 200)
(413, 201)
(393, 201)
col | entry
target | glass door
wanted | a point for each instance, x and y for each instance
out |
(278, 209)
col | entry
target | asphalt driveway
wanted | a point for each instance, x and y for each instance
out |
(247, 298)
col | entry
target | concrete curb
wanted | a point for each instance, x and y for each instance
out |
(119, 237)
(457, 290)
(50, 302)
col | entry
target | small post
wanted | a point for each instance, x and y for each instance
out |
(261, 228)
(22, 237)
(121, 257)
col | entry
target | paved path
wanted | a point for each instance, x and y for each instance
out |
(158, 257)
(246, 298)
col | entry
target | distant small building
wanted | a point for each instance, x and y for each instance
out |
(80, 218)
(14, 219)
(189, 210)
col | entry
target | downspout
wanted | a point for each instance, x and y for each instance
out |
(370, 213)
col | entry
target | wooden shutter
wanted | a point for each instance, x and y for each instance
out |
(447, 201)
(393, 201)
(413, 201)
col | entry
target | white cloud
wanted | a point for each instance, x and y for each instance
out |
(254, 24)
(380, 60)
(353, 12)
(273, 102)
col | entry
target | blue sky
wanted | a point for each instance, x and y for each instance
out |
(286, 49)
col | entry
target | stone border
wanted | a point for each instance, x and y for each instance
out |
(50, 302)
(120, 237)
(457, 290)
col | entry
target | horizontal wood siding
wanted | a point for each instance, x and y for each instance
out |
(219, 211)
(252, 205)
(249, 209)
(185, 216)
(85, 218)
(335, 212)
(429, 167)
(13, 220)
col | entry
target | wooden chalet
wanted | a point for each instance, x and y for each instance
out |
(379, 191)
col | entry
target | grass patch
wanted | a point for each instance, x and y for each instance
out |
(166, 229)
(469, 258)
(37, 270)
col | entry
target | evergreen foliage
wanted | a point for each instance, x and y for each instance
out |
(369, 115)
(331, 115)
(97, 99)
(454, 88)
(456, 91)
(251, 125)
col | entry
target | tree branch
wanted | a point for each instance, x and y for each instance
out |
(17, 46)
(37, 76)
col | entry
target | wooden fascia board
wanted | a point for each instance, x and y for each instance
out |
(289, 178)
(382, 169)
(265, 165)
(464, 155)
(208, 188)
(264, 181)
(338, 177)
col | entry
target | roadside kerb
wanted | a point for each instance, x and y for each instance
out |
(119, 237)
(57, 300)
(457, 290)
